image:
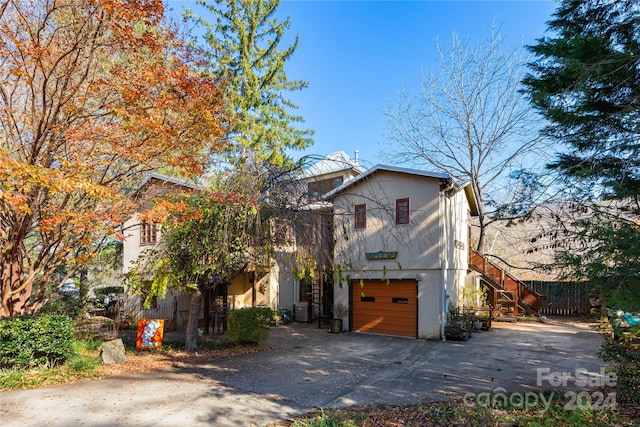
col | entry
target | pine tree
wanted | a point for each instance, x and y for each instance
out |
(244, 47)
(586, 82)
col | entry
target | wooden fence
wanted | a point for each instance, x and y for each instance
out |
(564, 298)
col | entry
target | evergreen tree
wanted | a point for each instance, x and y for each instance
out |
(586, 82)
(244, 47)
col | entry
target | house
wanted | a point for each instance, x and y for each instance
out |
(401, 250)
(139, 236)
(312, 263)
(291, 283)
(391, 244)
(253, 287)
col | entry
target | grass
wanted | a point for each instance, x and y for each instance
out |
(82, 364)
(85, 362)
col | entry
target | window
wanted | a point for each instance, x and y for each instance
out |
(148, 233)
(304, 290)
(361, 216)
(402, 211)
(316, 189)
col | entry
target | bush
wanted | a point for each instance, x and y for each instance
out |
(30, 341)
(626, 354)
(250, 325)
(63, 305)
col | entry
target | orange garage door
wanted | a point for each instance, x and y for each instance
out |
(385, 307)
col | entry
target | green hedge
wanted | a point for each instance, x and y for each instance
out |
(250, 325)
(30, 341)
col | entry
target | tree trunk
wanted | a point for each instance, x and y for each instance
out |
(15, 290)
(191, 339)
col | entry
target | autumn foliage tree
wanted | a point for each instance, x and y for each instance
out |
(93, 94)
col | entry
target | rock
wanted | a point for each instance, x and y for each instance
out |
(112, 352)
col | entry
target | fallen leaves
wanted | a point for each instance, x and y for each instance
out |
(166, 359)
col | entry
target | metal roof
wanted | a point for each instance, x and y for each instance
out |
(334, 162)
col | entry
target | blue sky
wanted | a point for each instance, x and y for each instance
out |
(357, 55)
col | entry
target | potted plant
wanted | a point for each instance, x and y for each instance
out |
(339, 312)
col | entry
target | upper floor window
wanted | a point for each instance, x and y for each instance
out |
(148, 233)
(316, 189)
(283, 232)
(402, 211)
(361, 216)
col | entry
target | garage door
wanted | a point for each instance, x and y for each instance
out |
(385, 307)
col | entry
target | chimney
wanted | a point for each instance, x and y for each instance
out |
(356, 158)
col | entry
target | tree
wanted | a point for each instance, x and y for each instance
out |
(470, 120)
(94, 93)
(244, 48)
(585, 82)
(217, 236)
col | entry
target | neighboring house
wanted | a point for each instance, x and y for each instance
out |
(401, 250)
(139, 236)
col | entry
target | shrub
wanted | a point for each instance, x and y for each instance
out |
(30, 341)
(626, 354)
(64, 305)
(250, 325)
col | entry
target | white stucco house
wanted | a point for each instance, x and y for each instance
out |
(390, 244)
(401, 250)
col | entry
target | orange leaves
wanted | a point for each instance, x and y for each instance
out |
(94, 94)
(228, 197)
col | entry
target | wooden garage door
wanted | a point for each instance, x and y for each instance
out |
(385, 307)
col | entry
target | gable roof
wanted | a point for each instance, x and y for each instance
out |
(468, 189)
(385, 168)
(334, 162)
(165, 179)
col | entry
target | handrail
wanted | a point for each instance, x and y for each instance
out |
(506, 273)
(522, 287)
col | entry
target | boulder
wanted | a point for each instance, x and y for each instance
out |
(112, 352)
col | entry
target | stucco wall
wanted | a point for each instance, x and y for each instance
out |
(131, 247)
(431, 249)
(418, 244)
(430, 302)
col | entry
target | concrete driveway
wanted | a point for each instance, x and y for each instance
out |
(313, 368)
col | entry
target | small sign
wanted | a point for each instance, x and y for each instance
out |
(150, 333)
(381, 255)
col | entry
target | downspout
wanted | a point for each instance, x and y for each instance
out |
(443, 296)
(443, 290)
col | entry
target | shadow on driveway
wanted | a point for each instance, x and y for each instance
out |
(312, 368)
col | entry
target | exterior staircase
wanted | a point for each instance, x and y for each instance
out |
(511, 296)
